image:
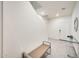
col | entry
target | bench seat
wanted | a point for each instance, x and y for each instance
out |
(38, 52)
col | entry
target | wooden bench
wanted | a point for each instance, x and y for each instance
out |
(40, 51)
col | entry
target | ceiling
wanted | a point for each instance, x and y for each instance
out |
(54, 9)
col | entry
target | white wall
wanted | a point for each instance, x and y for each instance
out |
(76, 34)
(23, 29)
(0, 27)
(63, 23)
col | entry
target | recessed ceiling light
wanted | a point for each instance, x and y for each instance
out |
(42, 13)
(57, 14)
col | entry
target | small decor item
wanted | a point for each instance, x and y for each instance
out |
(76, 24)
(59, 30)
(70, 36)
